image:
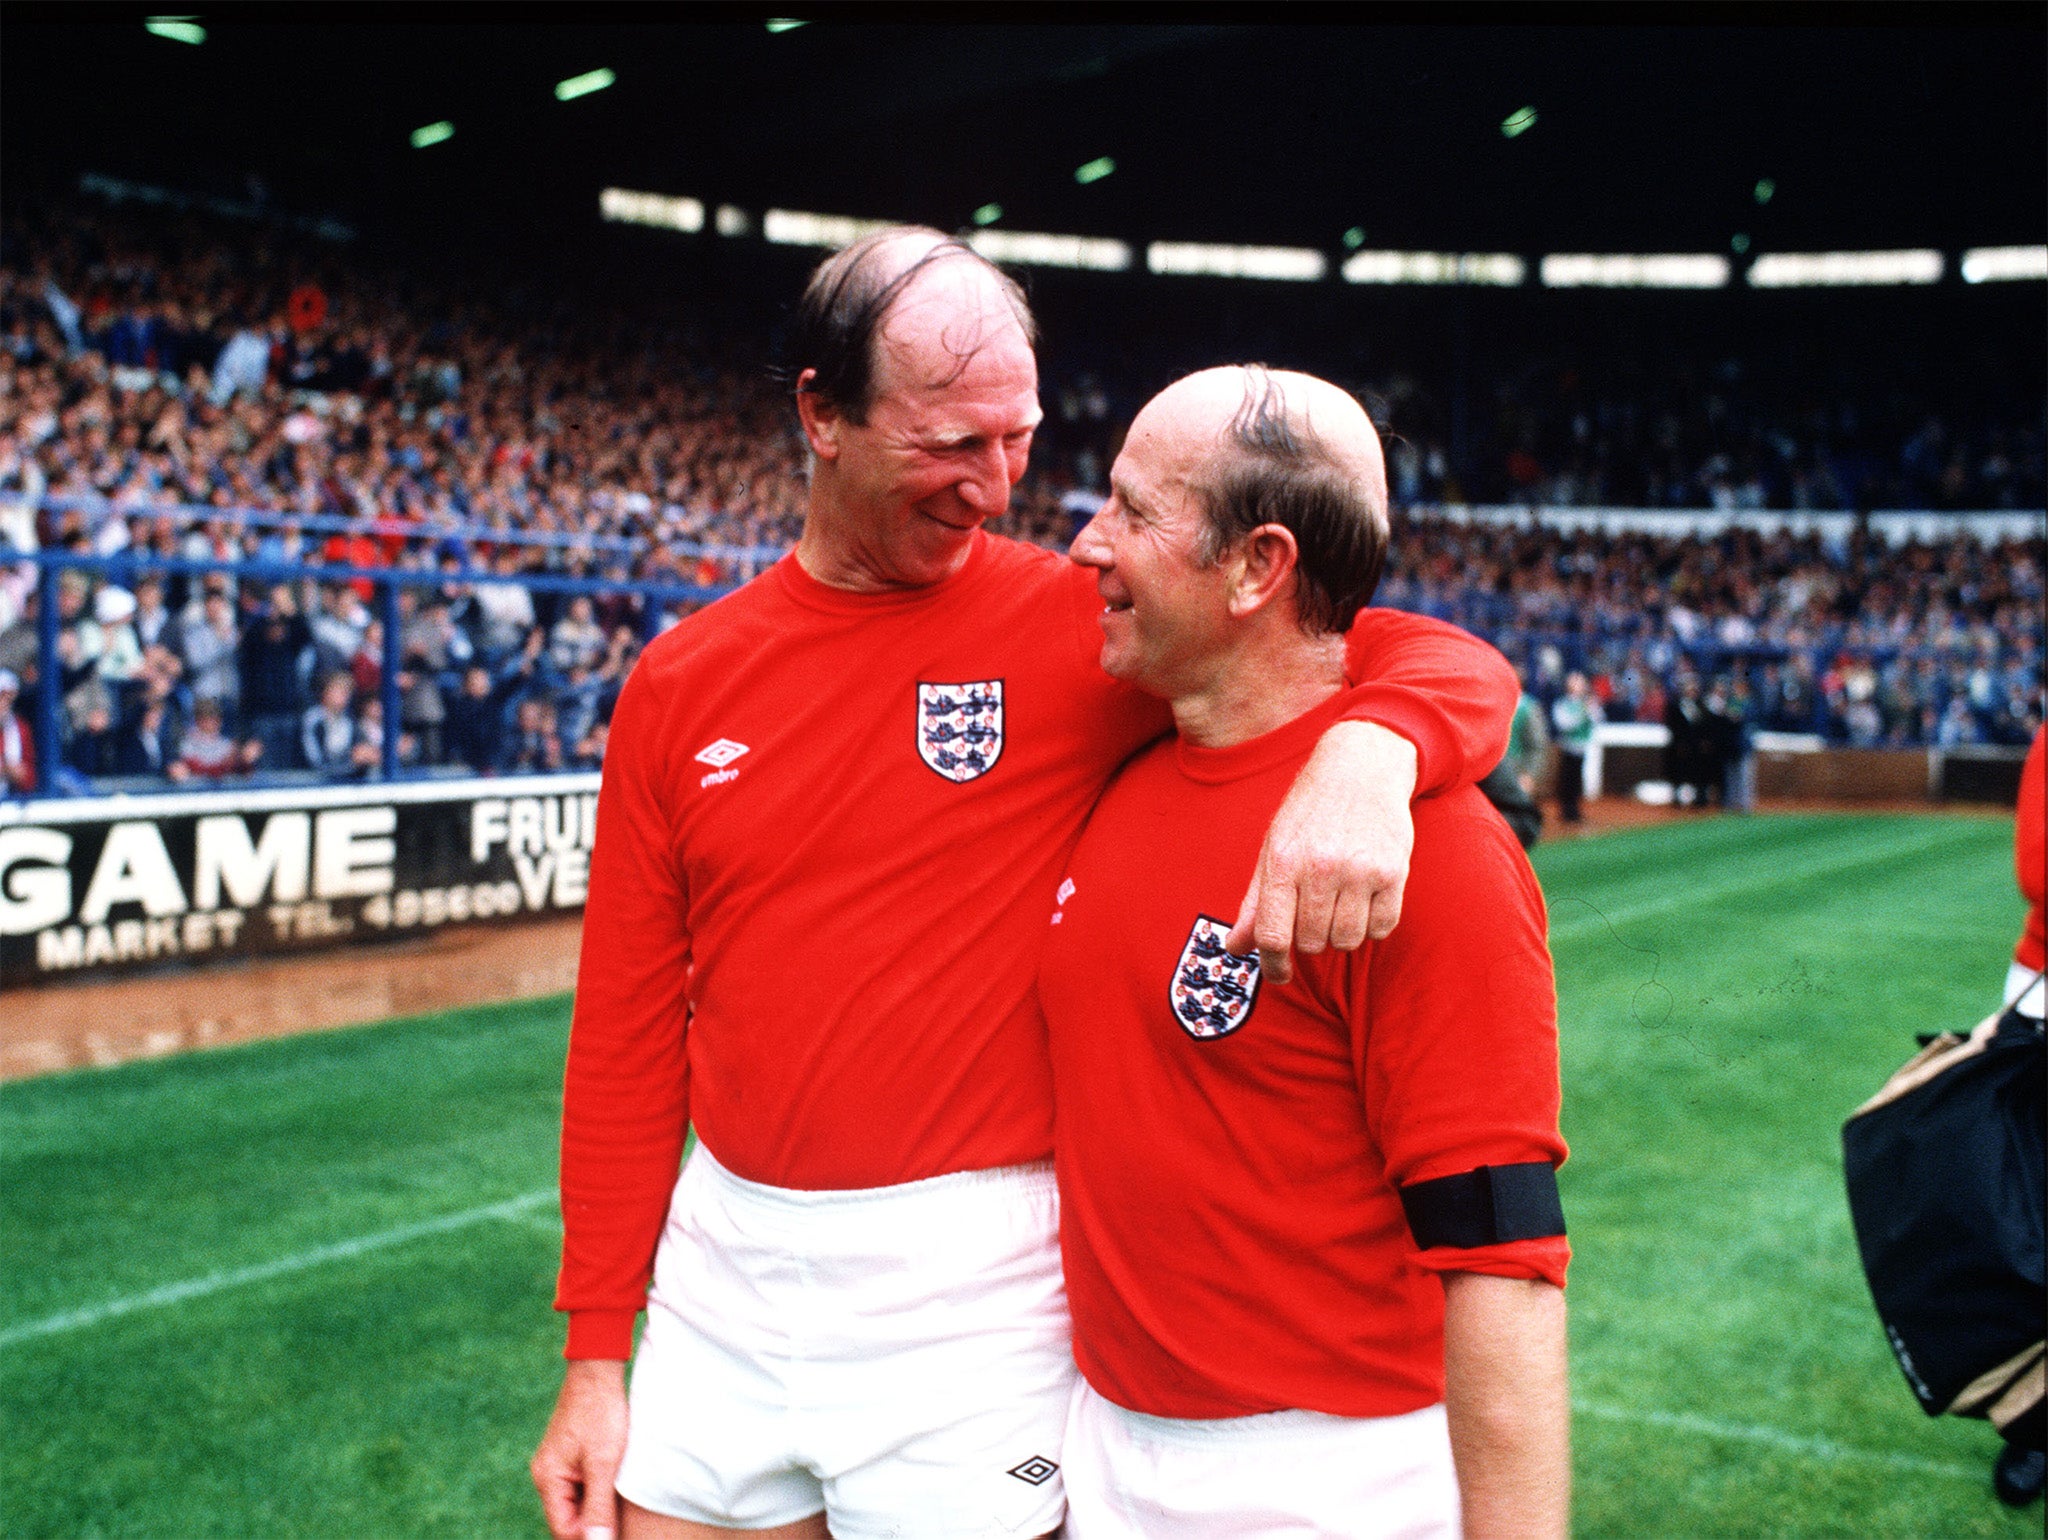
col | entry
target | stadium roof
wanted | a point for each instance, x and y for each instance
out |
(1873, 126)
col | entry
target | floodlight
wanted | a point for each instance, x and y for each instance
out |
(179, 29)
(1299, 264)
(784, 24)
(1844, 269)
(1033, 248)
(988, 213)
(433, 133)
(1766, 189)
(2004, 264)
(793, 227)
(1354, 238)
(623, 206)
(1497, 269)
(733, 220)
(1095, 170)
(1517, 123)
(1738, 244)
(582, 85)
(1618, 270)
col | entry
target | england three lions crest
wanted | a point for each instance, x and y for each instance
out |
(960, 727)
(1212, 990)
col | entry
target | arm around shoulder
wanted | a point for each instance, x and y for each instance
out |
(1447, 692)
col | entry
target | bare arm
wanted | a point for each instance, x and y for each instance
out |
(1506, 1394)
(579, 1455)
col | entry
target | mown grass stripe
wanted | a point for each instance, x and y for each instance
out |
(214, 1283)
(1824, 1449)
(1780, 876)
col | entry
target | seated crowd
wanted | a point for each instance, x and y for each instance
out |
(157, 380)
(1863, 643)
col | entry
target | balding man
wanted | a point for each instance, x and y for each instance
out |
(1303, 1220)
(834, 806)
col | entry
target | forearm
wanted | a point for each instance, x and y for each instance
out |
(1507, 1397)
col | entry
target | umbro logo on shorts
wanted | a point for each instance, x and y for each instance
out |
(1036, 1471)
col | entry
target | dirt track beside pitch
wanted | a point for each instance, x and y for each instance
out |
(69, 1026)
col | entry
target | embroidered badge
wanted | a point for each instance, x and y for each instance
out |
(1212, 991)
(960, 727)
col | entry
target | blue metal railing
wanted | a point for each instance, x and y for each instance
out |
(393, 527)
(125, 566)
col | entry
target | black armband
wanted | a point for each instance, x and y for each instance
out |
(1486, 1206)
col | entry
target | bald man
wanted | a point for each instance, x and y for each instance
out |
(1311, 1229)
(834, 806)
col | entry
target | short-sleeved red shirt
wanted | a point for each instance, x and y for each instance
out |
(1230, 1151)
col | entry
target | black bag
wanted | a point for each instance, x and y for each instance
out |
(1944, 1169)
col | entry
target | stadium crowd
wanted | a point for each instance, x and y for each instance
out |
(158, 380)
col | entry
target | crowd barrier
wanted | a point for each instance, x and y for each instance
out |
(101, 886)
(655, 599)
(1799, 766)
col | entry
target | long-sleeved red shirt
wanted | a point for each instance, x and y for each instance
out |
(827, 831)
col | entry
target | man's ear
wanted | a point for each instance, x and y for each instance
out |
(821, 420)
(1267, 559)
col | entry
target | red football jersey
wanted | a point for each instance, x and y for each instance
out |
(826, 832)
(1231, 1152)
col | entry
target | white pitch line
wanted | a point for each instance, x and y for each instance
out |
(213, 1283)
(1587, 921)
(1777, 1438)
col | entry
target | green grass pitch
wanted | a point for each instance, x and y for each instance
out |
(302, 1288)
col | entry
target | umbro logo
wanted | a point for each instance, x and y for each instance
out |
(719, 755)
(1036, 1471)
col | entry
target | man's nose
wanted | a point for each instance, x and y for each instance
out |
(1091, 546)
(985, 484)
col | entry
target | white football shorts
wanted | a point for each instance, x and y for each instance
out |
(896, 1357)
(1298, 1475)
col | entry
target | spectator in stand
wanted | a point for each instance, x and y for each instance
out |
(151, 619)
(506, 607)
(209, 647)
(90, 753)
(17, 745)
(589, 752)
(206, 751)
(275, 656)
(576, 639)
(145, 746)
(367, 752)
(327, 733)
(475, 727)
(422, 709)
(120, 649)
(338, 627)
(1573, 715)
(535, 744)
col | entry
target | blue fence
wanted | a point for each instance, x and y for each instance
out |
(653, 600)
